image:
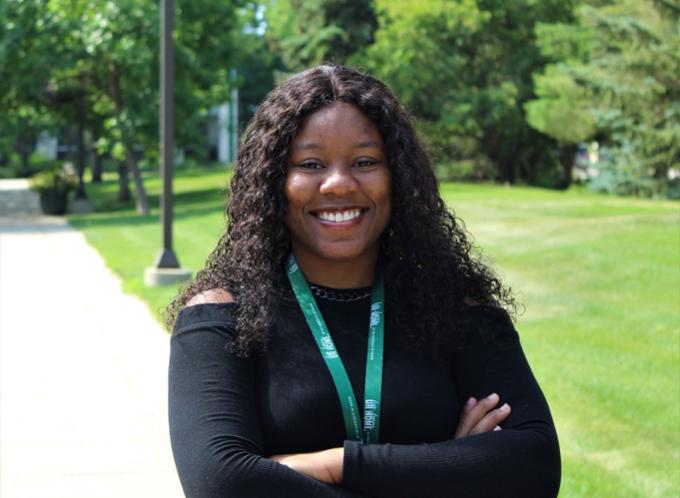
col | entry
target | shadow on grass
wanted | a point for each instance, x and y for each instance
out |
(110, 204)
(133, 219)
(129, 219)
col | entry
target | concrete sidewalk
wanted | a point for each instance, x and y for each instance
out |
(83, 368)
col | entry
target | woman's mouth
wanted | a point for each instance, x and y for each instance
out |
(339, 216)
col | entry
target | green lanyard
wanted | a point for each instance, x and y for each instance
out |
(374, 357)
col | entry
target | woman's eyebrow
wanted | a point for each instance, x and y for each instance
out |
(306, 146)
(359, 145)
(367, 144)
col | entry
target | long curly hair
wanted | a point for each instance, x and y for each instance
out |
(427, 261)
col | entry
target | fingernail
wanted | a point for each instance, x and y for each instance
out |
(470, 401)
(503, 407)
(497, 428)
(492, 396)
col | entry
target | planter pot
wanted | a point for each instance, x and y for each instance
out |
(53, 201)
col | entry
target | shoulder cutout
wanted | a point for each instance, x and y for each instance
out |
(489, 301)
(211, 296)
(471, 302)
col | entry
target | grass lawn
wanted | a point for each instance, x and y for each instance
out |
(600, 280)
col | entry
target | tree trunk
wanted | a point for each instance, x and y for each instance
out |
(508, 167)
(123, 182)
(24, 150)
(505, 167)
(568, 155)
(508, 157)
(69, 144)
(24, 170)
(534, 158)
(141, 200)
(96, 167)
(96, 160)
(80, 192)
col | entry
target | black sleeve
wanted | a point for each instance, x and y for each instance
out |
(214, 425)
(522, 460)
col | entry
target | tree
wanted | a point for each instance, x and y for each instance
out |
(464, 70)
(618, 67)
(99, 61)
(563, 112)
(121, 40)
(29, 47)
(55, 53)
(254, 62)
(308, 32)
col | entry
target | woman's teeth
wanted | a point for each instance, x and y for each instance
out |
(338, 216)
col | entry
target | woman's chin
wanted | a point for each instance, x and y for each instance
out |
(327, 253)
(346, 252)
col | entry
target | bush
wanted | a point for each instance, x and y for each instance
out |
(10, 165)
(53, 186)
(549, 172)
(478, 169)
(673, 189)
(620, 173)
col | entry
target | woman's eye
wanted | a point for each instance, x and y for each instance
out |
(309, 165)
(365, 163)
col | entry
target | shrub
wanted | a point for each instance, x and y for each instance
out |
(53, 186)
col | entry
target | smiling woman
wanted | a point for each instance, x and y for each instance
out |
(338, 196)
(341, 341)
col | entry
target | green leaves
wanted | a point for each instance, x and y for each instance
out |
(464, 69)
(56, 179)
(308, 32)
(615, 76)
(110, 49)
(562, 110)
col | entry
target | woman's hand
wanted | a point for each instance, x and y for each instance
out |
(324, 466)
(481, 416)
(478, 416)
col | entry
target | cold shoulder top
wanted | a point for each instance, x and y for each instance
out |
(229, 414)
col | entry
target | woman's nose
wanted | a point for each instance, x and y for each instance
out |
(338, 181)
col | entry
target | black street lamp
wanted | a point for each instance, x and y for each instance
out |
(166, 269)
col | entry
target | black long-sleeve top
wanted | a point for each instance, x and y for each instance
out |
(228, 414)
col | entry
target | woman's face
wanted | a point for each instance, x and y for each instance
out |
(337, 186)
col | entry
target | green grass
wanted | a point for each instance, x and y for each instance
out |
(600, 280)
(129, 243)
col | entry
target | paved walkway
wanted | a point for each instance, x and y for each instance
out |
(83, 368)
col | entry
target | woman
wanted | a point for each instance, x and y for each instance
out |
(343, 288)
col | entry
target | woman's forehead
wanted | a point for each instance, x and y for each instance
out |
(339, 119)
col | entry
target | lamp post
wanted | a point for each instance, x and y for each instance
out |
(166, 269)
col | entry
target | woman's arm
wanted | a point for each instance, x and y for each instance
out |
(521, 460)
(214, 422)
(477, 417)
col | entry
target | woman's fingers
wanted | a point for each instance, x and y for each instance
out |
(465, 422)
(473, 412)
(481, 416)
(491, 420)
(324, 466)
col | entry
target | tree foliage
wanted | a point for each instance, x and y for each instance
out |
(615, 77)
(307, 32)
(464, 69)
(53, 52)
(29, 48)
(501, 89)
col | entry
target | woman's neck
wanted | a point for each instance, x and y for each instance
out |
(337, 274)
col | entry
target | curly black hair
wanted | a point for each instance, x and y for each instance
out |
(425, 252)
